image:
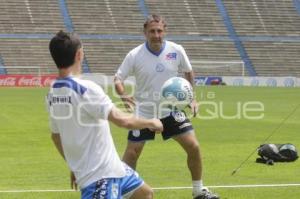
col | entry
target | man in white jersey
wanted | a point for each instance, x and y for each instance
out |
(152, 63)
(79, 113)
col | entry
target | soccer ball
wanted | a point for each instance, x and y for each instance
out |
(177, 93)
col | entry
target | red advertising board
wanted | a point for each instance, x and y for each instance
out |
(26, 80)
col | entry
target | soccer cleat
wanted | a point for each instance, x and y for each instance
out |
(206, 194)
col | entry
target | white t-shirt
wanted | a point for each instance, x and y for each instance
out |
(78, 111)
(151, 70)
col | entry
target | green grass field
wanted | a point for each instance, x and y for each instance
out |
(29, 161)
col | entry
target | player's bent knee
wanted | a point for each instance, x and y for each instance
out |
(149, 194)
(193, 149)
(144, 192)
(134, 149)
(132, 153)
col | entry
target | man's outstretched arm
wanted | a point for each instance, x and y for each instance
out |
(130, 121)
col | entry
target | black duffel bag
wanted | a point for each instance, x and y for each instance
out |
(270, 153)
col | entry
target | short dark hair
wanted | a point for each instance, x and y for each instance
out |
(154, 18)
(63, 47)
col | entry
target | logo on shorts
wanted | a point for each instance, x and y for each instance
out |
(101, 189)
(178, 116)
(136, 133)
(114, 191)
(185, 125)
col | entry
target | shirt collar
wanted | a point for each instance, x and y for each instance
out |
(156, 53)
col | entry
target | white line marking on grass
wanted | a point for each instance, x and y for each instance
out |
(232, 186)
(29, 191)
(164, 188)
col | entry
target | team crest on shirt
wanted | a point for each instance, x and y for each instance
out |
(159, 67)
(178, 116)
(171, 56)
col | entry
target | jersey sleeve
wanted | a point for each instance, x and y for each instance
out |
(126, 68)
(97, 103)
(184, 61)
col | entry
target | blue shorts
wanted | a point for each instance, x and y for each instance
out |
(113, 188)
(175, 124)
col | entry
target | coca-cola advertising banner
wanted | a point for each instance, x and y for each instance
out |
(26, 80)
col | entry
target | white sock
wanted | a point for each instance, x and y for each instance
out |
(197, 187)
